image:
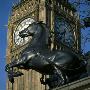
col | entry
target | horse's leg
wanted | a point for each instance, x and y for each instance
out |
(8, 67)
(62, 78)
(56, 79)
(16, 63)
(42, 80)
(20, 62)
(11, 73)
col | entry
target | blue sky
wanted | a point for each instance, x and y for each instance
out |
(5, 8)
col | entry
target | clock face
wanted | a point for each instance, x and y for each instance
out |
(24, 24)
(64, 32)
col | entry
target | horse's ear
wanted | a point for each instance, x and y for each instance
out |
(40, 22)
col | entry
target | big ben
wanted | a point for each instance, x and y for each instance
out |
(55, 14)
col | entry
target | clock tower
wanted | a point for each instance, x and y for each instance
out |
(59, 17)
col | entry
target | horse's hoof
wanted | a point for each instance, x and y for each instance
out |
(11, 80)
(18, 73)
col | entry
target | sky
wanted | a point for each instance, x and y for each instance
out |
(5, 8)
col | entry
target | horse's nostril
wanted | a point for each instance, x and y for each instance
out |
(19, 33)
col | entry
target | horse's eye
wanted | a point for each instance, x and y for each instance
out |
(27, 31)
(29, 28)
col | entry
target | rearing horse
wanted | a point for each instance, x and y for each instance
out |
(62, 66)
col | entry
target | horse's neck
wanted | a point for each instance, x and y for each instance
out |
(40, 40)
(38, 44)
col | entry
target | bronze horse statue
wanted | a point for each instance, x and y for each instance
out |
(62, 66)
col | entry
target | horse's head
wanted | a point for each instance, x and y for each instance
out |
(29, 31)
(39, 33)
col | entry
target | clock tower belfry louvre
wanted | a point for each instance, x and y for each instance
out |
(58, 16)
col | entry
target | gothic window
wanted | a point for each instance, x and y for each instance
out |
(63, 31)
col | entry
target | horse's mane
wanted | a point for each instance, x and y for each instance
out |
(43, 36)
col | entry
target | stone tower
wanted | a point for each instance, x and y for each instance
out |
(47, 11)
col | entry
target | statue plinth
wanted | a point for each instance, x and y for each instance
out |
(82, 84)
